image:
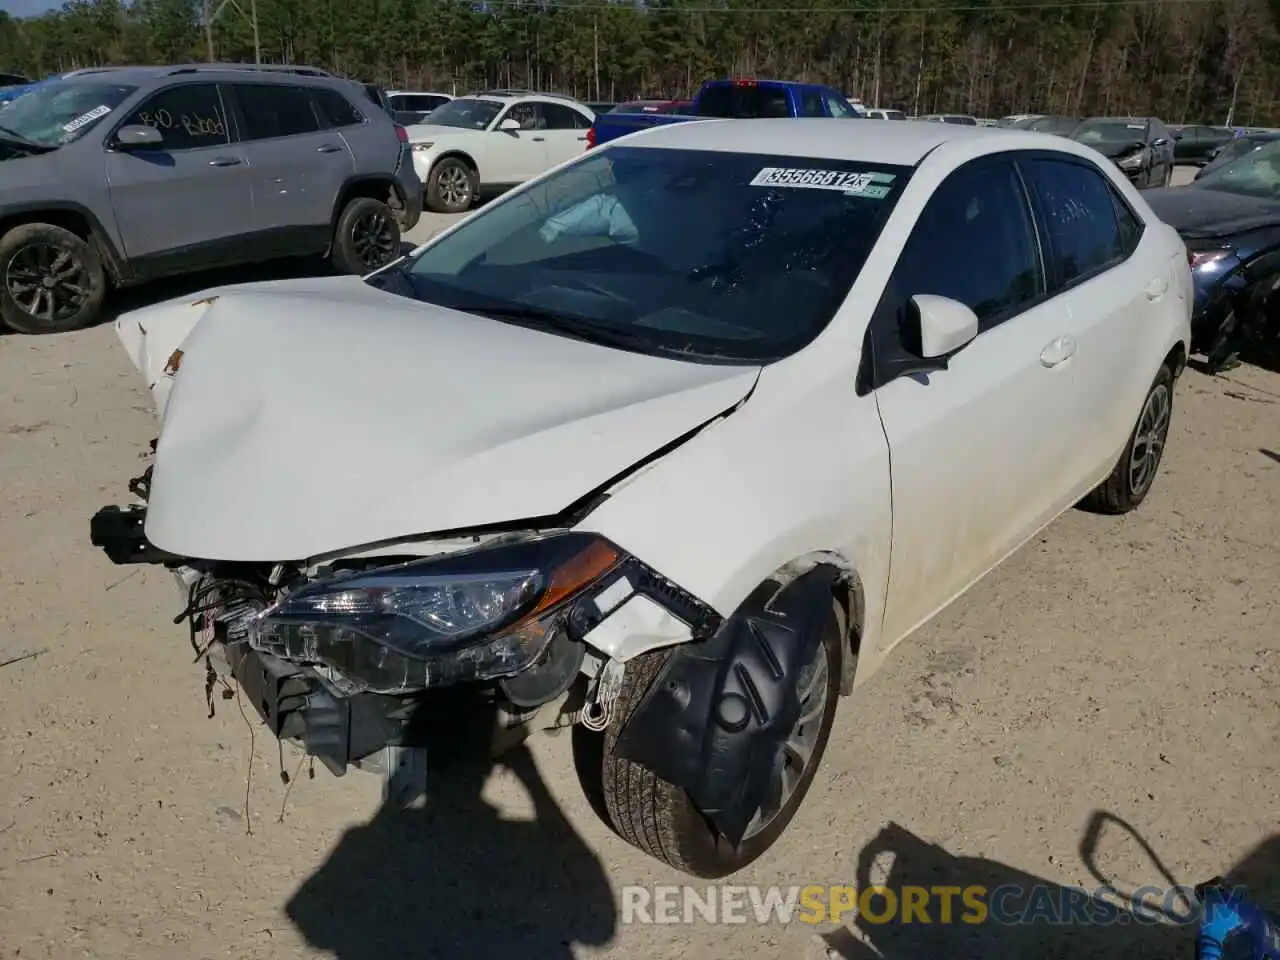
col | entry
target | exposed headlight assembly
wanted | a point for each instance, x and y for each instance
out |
(1133, 161)
(477, 615)
(1209, 259)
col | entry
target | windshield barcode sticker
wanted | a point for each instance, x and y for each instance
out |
(80, 121)
(873, 185)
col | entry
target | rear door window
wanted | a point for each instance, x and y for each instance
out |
(811, 104)
(334, 109)
(273, 110)
(839, 107)
(1079, 210)
(743, 102)
(560, 117)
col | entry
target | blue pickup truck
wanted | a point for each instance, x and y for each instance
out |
(734, 100)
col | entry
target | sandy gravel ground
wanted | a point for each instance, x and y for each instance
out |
(1126, 666)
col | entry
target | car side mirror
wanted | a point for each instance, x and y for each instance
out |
(137, 136)
(946, 325)
(509, 125)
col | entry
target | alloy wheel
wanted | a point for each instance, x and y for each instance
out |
(47, 282)
(797, 752)
(455, 186)
(1149, 440)
(373, 236)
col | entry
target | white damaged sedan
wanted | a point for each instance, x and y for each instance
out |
(672, 445)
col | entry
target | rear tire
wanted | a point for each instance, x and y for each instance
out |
(451, 186)
(658, 817)
(1135, 472)
(51, 281)
(366, 237)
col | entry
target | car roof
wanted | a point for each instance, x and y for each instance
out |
(899, 144)
(141, 75)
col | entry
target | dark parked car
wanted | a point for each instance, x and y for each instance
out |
(1235, 148)
(410, 107)
(1195, 142)
(1142, 147)
(600, 106)
(1230, 221)
(1059, 126)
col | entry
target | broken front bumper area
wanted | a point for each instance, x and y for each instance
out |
(296, 705)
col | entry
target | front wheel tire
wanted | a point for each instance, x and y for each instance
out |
(659, 818)
(51, 281)
(451, 186)
(1135, 472)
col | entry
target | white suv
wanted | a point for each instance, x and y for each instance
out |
(494, 140)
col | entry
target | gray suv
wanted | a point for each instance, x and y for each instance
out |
(120, 175)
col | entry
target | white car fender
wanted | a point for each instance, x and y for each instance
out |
(471, 143)
(762, 489)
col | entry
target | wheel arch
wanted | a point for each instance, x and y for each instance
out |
(847, 591)
(456, 153)
(375, 186)
(1176, 359)
(81, 221)
(717, 711)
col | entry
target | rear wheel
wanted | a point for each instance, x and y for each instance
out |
(660, 819)
(1135, 472)
(51, 281)
(366, 238)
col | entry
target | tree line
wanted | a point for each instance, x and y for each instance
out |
(1182, 60)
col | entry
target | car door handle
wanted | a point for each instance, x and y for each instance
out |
(224, 161)
(583, 137)
(328, 148)
(537, 139)
(1156, 288)
(1059, 350)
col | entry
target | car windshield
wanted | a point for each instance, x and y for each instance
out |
(1059, 125)
(705, 255)
(1110, 131)
(1235, 148)
(466, 112)
(1255, 174)
(59, 111)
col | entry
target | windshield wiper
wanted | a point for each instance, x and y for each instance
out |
(568, 325)
(21, 141)
(540, 319)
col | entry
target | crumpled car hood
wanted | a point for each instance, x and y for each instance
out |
(1202, 213)
(310, 417)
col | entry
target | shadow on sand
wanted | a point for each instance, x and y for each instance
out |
(1130, 934)
(454, 879)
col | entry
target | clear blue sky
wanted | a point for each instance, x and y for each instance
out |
(28, 8)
